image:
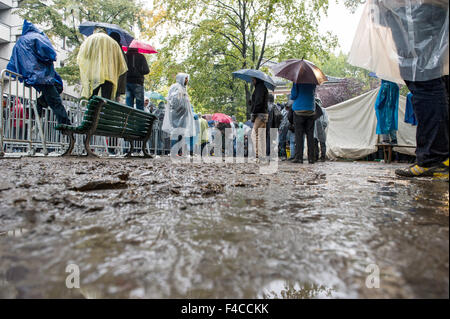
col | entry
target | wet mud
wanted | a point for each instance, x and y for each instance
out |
(139, 228)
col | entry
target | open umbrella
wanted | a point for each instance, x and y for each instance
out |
(154, 96)
(141, 46)
(299, 71)
(248, 74)
(88, 27)
(208, 117)
(222, 118)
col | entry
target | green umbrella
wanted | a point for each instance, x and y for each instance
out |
(155, 96)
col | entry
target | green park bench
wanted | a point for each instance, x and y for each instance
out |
(108, 118)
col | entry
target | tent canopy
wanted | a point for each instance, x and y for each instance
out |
(352, 125)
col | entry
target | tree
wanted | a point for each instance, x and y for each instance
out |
(60, 20)
(217, 37)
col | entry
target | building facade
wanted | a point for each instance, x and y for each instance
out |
(10, 31)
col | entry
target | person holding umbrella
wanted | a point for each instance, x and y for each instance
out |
(137, 68)
(101, 63)
(306, 76)
(259, 116)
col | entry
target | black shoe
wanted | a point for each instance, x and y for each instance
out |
(297, 161)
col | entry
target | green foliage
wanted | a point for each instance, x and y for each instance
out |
(61, 19)
(216, 37)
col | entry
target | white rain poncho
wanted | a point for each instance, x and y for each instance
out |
(403, 39)
(178, 114)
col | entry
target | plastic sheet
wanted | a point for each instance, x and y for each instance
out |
(403, 40)
(178, 114)
(100, 59)
(386, 107)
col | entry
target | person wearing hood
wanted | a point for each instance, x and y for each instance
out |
(320, 133)
(32, 57)
(122, 82)
(259, 116)
(137, 68)
(178, 117)
(101, 62)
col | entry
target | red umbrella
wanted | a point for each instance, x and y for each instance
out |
(222, 118)
(141, 46)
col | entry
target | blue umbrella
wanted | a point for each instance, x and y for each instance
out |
(248, 74)
(154, 96)
(88, 27)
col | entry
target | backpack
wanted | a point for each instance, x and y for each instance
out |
(277, 117)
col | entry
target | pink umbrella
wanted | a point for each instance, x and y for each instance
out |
(141, 46)
(222, 118)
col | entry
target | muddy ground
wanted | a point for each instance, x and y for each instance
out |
(139, 228)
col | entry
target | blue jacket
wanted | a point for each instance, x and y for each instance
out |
(33, 56)
(410, 117)
(303, 96)
(386, 107)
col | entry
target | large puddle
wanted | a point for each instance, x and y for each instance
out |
(153, 229)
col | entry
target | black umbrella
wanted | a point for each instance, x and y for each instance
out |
(88, 27)
(299, 71)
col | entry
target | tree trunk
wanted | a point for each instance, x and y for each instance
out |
(247, 99)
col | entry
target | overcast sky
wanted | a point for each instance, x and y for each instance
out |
(342, 23)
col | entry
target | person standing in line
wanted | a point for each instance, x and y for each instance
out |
(137, 68)
(122, 83)
(304, 110)
(259, 117)
(32, 57)
(178, 116)
(101, 63)
(320, 133)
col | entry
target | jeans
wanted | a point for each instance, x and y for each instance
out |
(106, 90)
(54, 101)
(430, 106)
(323, 149)
(282, 142)
(135, 92)
(291, 138)
(304, 125)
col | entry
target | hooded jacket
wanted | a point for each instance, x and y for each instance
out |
(33, 56)
(178, 114)
(137, 67)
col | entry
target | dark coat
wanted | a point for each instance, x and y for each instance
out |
(260, 98)
(137, 67)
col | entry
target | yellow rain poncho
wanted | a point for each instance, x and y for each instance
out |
(100, 59)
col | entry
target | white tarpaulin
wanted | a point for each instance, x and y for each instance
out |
(352, 126)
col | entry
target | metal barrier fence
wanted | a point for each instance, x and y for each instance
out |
(23, 130)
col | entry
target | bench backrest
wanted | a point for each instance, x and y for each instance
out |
(117, 120)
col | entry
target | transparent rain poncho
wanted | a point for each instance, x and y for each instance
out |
(403, 39)
(100, 59)
(178, 115)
